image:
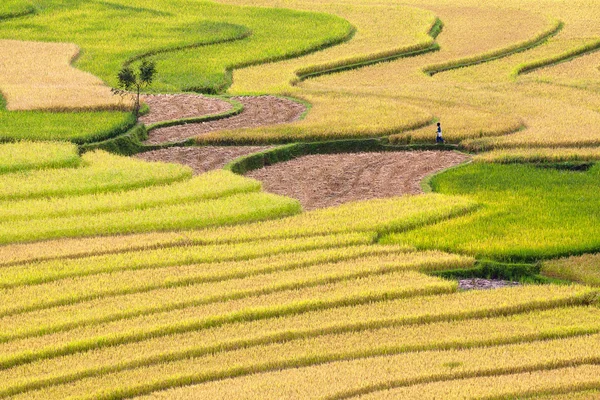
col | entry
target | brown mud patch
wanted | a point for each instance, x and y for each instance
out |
(319, 181)
(167, 107)
(258, 111)
(484, 284)
(200, 159)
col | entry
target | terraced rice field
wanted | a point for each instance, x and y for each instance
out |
(177, 275)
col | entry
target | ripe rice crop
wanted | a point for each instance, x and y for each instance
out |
(72, 290)
(506, 386)
(231, 210)
(312, 346)
(221, 311)
(385, 215)
(332, 117)
(380, 215)
(211, 185)
(245, 35)
(357, 313)
(584, 269)
(30, 155)
(572, 395)
(300, 353)
(47, 271)
(54, 84)
(460, 125)
(540, 155)
(99, 172)
(338, 379)
(382, 30)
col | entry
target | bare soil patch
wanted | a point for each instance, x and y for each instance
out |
(200, 159)
(258, 111)
(167, 107)
(329, 180)
(484, 284)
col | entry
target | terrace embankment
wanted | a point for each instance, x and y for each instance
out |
(258, 111)
(329, 180)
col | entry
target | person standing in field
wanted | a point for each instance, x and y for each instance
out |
(439, 138)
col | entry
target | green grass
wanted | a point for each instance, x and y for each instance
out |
(14, 8)
(162, 25)
(100, 173)
(29, 155)
(212, 185)
(232, 210)
(78, 127)
(528, 213)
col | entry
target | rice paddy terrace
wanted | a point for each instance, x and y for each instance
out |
(180, 274)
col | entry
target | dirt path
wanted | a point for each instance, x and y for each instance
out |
(201, 159)
(328, 180)
(167, 107)
(258, 111)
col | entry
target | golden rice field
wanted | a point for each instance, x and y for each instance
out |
(54, 84)
(124, 279)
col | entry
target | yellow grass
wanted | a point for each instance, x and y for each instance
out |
(47, 271)
(382, 30)
(584, 269)
(383, 215)
(25, 156)
(508, 386)
(333, 379)
(220, 310)
(69, 291)
(39, 76)
(333, 116)
(359, 313)
(540, 155)
(317, 347)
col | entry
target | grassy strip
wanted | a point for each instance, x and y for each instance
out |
(100, 173)
(41, 272)
(493, 270)
(290, 301)
(562, 377)
(14, 9)
(23, 156)
(238, 32)
(289, 152)
(298, 349)
(378, 216)
(583, 269)
(542, 156)
(208, 186)
(359, 314)
(539, 39)
(345, 366)
(563, 57)
(77, 127)
(315, 71)
(38, 297)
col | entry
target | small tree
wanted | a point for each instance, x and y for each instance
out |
(130, 80)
